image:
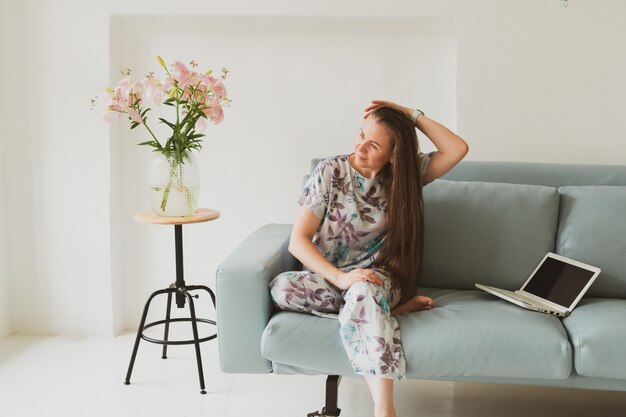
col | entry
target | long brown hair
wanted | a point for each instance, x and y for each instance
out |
(401, 251)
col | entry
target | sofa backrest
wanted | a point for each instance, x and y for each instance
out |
(479, 227)
(592, 229)
(553, 175)
(490, 233)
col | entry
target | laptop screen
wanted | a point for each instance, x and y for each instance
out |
(558, 281)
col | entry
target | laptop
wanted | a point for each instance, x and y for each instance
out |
(555, 286)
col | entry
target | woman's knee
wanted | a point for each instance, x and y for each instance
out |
(281, 282)
(366, 292)
(283, 279)
(362, 288)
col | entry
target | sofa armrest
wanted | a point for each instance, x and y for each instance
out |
(244, 306)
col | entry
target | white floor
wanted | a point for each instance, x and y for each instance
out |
(69, 376)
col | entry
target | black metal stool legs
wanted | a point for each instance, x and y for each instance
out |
(196, 339)
(140, 331)
(204, 288)
(191, 306)
(171, 291)
(167, 322)
(180, 292)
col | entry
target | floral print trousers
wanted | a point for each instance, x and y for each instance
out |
(369, 333)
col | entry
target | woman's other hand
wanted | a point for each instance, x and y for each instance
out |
(345, 280)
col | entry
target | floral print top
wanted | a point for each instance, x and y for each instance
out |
(352, 209)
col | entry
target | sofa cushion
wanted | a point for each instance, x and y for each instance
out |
(491, 233)
(597, 329)
(468, 334)
(474, 334)
(592, 229)
(305, 341)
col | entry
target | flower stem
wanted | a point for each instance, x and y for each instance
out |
(177, 105)
(150, 130)
(168, 187)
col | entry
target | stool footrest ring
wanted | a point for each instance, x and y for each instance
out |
(177, 342)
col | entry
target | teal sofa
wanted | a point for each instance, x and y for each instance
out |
(486, 222)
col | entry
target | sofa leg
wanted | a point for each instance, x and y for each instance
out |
(332, 388)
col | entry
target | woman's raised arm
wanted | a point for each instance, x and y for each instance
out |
(451, 148)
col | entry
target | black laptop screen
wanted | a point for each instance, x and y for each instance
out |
(558, 282)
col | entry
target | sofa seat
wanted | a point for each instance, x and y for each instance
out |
(597, 328)
(474, 334)
(470, 334)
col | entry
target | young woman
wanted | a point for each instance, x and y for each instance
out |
(359, 236)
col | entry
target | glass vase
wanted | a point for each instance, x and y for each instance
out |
(173, 184)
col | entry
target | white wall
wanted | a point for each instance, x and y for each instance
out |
(538, 82)
(5, 311)
(15, 155)
(58, 165)
(534, 82)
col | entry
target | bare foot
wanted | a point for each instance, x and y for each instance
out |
(417, 303)
(421, 302)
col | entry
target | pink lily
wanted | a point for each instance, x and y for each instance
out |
(111, 113)
(137, 91)
(134, 114)
(182, 69)
(115, 106)
(153, 91)
(169, 83)
(122, 93)
(185, 77)
(209, 79)
(216, 88)
(201, 125)
(215, 114)
(220, 90)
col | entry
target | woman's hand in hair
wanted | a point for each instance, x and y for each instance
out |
(379, 103)
(451, 148)
(345, 280)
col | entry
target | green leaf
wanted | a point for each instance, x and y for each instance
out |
(133, 125)
(152, 143)
(185, 119)
(171, 125)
